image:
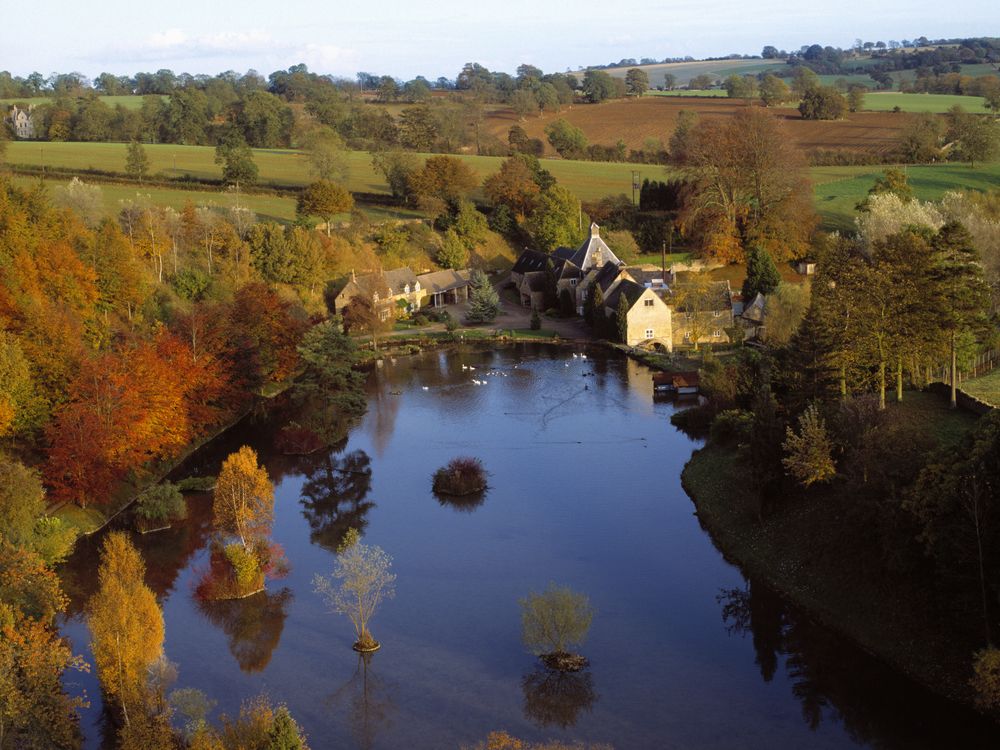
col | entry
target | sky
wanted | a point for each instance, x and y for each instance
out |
(406, 38)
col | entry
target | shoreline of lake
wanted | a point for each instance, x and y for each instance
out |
(891, 630)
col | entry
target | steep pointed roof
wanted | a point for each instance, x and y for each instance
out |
(593, 253)
(630, 289)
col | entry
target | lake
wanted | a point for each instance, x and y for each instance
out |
(584, 491)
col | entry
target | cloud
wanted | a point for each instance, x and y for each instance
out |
(177, 44)
(326, 58)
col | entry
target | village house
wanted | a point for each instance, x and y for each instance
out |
(21, 121)
(399, 287)
(404, 290)
(702, 312)
(666, 310)
(447, 287)
(649, 318)
(573, 269)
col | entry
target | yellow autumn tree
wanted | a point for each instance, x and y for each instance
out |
(244, 498)
(126, 625)
(244, 511)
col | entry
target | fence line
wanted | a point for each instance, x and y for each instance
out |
(982, 364)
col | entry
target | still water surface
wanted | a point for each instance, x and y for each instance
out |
(584, 491)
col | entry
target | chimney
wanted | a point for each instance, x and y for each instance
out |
(595, 231)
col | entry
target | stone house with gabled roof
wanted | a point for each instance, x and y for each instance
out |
(22, 121)
(572, 268)
(702, 311)
(393, 288)
(650, 319)
(593, 253)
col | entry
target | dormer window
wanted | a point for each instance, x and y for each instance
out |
(416, 287)
(406, 289)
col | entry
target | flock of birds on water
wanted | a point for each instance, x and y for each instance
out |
(496, 373)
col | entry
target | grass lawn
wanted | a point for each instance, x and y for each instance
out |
(886, 101)
(986, 388)
(655, 259)
(127, 101)
(289, 168)
(267, 207)
(837, 190)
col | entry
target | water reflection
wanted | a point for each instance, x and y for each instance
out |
(253, 625)
(833, 681)
(553, 698)
(334, 496)
(166, 552)
(461, 503)
(368, 700)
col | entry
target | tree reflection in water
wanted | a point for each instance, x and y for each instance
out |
(334, 495)
(369, 702)
(462, 503)
(553, 698)
(253, 625)
(834, 679)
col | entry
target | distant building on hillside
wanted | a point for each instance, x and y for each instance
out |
(21, 121)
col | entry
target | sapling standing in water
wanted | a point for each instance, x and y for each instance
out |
(365, 581)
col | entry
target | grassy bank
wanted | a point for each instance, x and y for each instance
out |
(808, 554)
(986, 388)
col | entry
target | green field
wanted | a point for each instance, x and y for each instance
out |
(986, 388)
(685, 71)
(886, 101)
(838, 189)
(288, 168)
(129, 102)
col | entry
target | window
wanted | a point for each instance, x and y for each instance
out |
(572, 282)
(649, 333)
(648, 302)
(687, 335)
(716, 313)
(717, 333)
(406, 289)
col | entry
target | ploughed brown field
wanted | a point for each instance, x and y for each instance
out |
(635, 120)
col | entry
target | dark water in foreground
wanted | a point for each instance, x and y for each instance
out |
(585, 491)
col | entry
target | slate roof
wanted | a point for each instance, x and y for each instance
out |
(584, 256)
(530, 260)
(442, 281)
(630, 289)
(754, 312)
(399, 278)
(606, 276)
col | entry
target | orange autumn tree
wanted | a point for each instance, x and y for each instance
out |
(263, 337)
(125, 408)
(747, 186)
(126, 626)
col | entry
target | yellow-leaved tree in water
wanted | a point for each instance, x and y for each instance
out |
(244, 511)
(126, 627)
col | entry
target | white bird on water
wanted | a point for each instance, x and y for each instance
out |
(426, 388)
(583, 356)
